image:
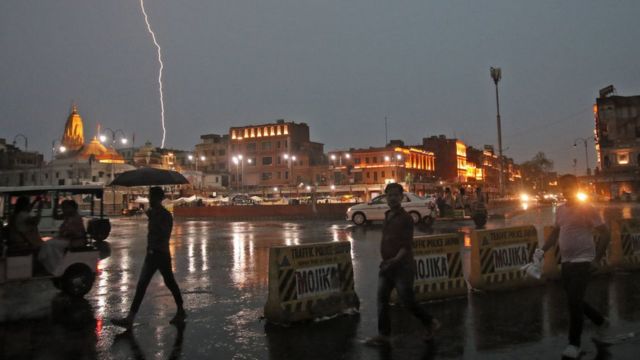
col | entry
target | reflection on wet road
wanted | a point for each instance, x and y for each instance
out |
(222, 270)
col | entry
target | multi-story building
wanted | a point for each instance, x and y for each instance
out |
(382, 165)
(11, 157)
(451, 158)
(275, 154)
(211, 154)
(617, 138)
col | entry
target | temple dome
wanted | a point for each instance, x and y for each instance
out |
(73, 137)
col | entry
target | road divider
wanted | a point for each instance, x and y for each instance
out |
(438, 265)
(625, 243)
(310, 281)
(497, 256)
(551, 267)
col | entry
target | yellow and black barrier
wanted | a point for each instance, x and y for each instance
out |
(625, 243)
(552, 261)
(497, 256)
(310, 281)
(438, 265)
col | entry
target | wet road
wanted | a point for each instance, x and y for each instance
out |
(222, 270)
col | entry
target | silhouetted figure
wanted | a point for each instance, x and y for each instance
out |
(479, 209)
(448, 203)
(23, 228)
(158, 259)
(397, 269)
(573, 232)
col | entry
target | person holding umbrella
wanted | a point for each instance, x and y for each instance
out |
(158, 258)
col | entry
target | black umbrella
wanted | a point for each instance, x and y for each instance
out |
(148, 177)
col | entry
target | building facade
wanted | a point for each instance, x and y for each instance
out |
(274, 154)
(451, 158)
(617, 140)
(382, 165)
(11, 157)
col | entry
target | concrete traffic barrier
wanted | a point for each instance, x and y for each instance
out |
(497, 256)
(438, 261)
(625, 243)
(310, 281)
(552, 261)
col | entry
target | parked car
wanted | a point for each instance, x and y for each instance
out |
(420, 209)
(77, 271)
(241, 199)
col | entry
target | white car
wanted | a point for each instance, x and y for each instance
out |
(420, 209)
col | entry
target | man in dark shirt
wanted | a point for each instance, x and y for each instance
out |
(397, 269)
(158, 258)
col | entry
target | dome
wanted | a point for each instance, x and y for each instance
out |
(73, 137)
(101, 152)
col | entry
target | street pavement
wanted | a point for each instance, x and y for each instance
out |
(222, 270)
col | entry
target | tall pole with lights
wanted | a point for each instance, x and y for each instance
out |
(586, 152)
(496, 75)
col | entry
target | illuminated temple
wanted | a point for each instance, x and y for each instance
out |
(74, 148)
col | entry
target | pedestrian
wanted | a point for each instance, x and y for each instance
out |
(158, 258)
(448, 202)
(479, 209)
(397, 269)
(574, 226)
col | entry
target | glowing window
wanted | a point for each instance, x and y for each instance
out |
(623, 158)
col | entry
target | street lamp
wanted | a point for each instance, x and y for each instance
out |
(586, 152)
(195, 159)
(60, 149)
(123, 139)
(290, 159)
(26, 141)
(236, 161)
(496, 75)
(397, 177)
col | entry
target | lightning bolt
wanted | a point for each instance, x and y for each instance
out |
(155, 42)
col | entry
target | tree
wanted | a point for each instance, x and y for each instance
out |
(534, 171)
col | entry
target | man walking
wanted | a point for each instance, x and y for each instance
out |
(573, 231)
(158, 258)
(397, 269)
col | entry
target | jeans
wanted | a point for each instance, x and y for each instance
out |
(575, 277)
(152, 262)
(400, 278)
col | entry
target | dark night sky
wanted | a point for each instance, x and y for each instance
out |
(339, 66)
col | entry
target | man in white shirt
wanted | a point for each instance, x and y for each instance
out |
(573, 231)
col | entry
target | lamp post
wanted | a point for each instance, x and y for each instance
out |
(239, 161)
(586, 152)
(60, 149)
(194, 159)
(496, 75)
(290, 159)
(123, 139)
(398, 158)
(26, 141)
(338, 157)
